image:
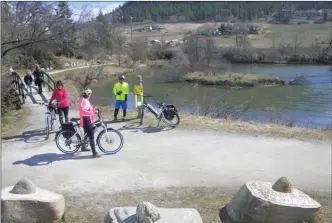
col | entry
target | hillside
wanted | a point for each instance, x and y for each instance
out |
(203, 11)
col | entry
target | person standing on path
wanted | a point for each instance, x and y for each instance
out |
(39, 78)
(28, 80)
(121, 91)
(61, 95)
(86, 119)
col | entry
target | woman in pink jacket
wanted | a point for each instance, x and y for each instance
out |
(61, 95)
(86, 118)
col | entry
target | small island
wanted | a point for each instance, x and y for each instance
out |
(231, 79)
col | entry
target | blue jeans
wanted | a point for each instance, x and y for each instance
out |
(122, 104)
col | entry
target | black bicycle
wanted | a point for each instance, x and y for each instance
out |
(50, 117)
(165, 112)
(72, 137)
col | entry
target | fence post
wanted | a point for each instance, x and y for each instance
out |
(23, 95)
(48, 81)
(16, 83)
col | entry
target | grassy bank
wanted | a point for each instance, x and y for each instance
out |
(233, 126)
(231, 79)
(208, 202)
(9, 124)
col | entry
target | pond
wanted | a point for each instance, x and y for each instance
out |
(306, 105)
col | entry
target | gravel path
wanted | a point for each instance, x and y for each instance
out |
(152, 158)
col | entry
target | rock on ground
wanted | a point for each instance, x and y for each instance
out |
(173, 215)
(257, 202)
(24, 186)
(39, 206)
(147, 212)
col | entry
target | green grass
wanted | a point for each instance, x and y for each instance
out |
(9, 124)
(231, 79)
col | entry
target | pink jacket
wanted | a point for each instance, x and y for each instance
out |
(60, 95)
(86, 109)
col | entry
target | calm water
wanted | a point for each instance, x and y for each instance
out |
(308, 105)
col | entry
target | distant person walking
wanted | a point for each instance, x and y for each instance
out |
(28, 80)
(121, 91)
(61, 95)
(39, 78)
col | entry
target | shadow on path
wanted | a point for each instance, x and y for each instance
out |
(48, 158)
(30, 136)
(135, 127)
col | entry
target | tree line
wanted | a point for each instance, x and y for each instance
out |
(202, 11)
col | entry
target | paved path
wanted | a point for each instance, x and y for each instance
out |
(155, 158)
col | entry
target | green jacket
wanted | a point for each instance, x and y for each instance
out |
(124, 87)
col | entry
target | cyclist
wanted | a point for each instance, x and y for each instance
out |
(121, 91)
(86, 118)
(61, 95)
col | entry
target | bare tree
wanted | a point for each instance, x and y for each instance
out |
(209, 49)
(193, 47)
(91, 75)
(25, 23)
(138, 49)
(119, 42)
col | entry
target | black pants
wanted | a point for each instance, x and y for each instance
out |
(39, 83)
(88, 129)
(63, 112)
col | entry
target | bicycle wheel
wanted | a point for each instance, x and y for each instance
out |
(47, 127)
(142, 116)
(169, 123)
(71, 139)
(113, 140)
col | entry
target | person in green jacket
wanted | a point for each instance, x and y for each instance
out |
(121, 91)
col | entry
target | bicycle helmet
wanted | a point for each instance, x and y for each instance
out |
(59, 83)
(122, 77)
(87, 91)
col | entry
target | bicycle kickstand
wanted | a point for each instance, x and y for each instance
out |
(158, 122)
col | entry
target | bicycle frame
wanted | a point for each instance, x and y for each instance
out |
(97, 124)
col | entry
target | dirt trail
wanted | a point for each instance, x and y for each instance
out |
(155, 158)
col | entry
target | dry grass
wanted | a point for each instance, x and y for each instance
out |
(231, 79)
(260, 129)
(208, 202)
(9, 124)
(275, 34)
(234, 126)
(272, 34)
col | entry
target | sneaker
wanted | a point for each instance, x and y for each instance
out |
(96, 155)
(115, 118)
(124, 119)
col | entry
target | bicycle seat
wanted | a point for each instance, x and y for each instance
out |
(74, 119)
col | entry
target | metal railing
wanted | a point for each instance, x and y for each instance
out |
(49, 81)
(18, 85)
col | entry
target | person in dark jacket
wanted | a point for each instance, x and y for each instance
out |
(39, 78)
(28, 80)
